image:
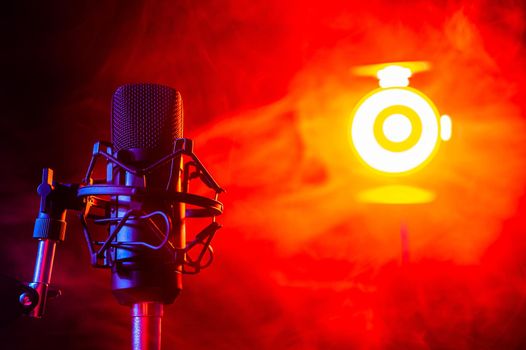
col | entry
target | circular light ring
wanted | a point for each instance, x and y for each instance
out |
(387, 156)
(414, 136)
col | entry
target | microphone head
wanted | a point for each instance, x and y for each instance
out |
(146, 119)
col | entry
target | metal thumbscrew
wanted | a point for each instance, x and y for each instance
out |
(25, 299)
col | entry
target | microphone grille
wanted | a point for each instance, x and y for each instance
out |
(146, 116)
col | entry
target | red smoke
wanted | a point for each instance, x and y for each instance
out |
(300, 263)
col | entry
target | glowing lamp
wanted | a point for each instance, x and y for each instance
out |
(397, 129)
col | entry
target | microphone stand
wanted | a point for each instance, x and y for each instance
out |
(146, 325)
(17, 298)
(49, 229)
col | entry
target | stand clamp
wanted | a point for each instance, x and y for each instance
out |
(50, 228)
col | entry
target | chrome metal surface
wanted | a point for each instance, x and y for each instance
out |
(146, 325)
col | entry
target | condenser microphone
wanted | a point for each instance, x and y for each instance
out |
(146, 120)
(146, 201)
(143, 203)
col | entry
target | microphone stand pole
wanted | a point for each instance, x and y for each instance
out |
(147, 315)
(146, 325)
(50, 228)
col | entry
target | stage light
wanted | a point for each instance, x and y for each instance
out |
(397, 129)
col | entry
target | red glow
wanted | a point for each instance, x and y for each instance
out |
(268, 90)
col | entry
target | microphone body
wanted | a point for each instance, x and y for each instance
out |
(146, 121)
(143, 202)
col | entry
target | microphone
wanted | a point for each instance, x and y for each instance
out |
(142, 205)
(145, 202)
(146, 120)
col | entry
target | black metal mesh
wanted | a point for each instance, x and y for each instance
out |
(146, 116)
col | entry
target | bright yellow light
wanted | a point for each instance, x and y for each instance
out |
(396, 194)
(397, 127)
(445, 127)
(373, 69)
(394, 76)
(394, 151)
